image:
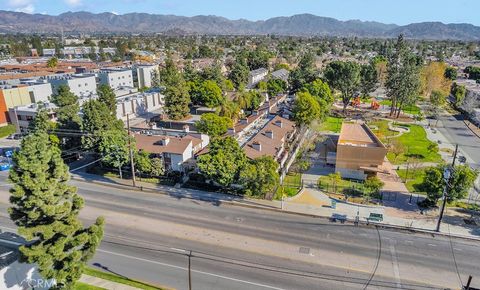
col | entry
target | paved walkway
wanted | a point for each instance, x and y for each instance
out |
(106, 284)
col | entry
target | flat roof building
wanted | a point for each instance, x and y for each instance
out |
(359, 152)
(116, 77)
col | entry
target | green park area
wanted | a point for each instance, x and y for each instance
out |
(290, 186)
(330, 124)
(413, 176)
(414, 144)
(410, 109)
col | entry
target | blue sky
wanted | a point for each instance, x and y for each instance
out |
(387, 11)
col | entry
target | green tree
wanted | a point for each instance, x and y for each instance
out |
(211, 94)
(403, 81)
(373, 185)
(45, 209)
(344, 76)
(320, 91)
(335, 179)
(303, 74)
(107, 96)
(213, 125)
(260, 176)
(276, 86)
(458, 92)
(68, 118)
(52, 62)
(97, 118)
(223, 161)
(368, 79)
(41, 122)
(113, 148)
(239, 74)
(461, 180)
(158, 167)
(451, 73)
(305, 109)
(143, 162)
(177, 98)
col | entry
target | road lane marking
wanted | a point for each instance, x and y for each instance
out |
(396, 270)
(432, 245)
(186, 269)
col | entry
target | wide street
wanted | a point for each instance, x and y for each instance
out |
(149, 237)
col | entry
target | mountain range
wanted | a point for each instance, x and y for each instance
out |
(296, 25)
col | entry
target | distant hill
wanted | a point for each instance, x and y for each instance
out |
(300, 25)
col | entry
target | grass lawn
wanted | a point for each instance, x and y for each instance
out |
(381, 131)
(7, 130)
(325, 183)
(83, 286)
(290, 187)
(331, 124)
(411, 109)
(118, 279)
(415, 178)
(416, 146)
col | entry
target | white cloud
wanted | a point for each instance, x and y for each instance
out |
(73, 2)
(22, 5)
(26, 9)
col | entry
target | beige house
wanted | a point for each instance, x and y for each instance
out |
(359, 152)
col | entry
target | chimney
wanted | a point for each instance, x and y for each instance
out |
(244, 121)
(257, 146)
(163, 142)
(255, 112)
(231, 131)
(269, 134)
(186, 128)
(279, 123)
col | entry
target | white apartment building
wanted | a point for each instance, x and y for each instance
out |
(116, 78)
(143, 75)
(139, 104)
(256, 76)
(82, 85)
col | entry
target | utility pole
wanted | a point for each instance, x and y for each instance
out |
(446, 175)
(131, 152)
(190, 270)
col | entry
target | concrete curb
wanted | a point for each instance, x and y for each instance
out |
(279, 210)
(475, 133)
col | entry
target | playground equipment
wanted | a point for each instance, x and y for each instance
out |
(374, 105)
(355, 102)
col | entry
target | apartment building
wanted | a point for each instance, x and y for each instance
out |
(82, 85)
(272, 140)
(177, 151)
(143, 75)
(21, 116)
(139, 104)
(359, 152)
(116, 77)
(256, 76)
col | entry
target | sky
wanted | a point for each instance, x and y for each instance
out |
(399, 12)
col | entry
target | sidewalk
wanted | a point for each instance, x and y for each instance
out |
(99, 282)
(404, 218)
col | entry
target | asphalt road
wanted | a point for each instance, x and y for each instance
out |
(149, 238)
(455, 130)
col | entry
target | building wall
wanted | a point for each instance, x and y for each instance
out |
(3, 110)
(351, 158)
(116, 79)
(79, 86)
(144, 76)
(40, 92)
(16, 97)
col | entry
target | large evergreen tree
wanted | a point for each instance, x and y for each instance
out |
(45, 209)
(68, 119)
(107, 96)
(177, 98)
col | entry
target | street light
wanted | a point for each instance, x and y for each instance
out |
(446, 178)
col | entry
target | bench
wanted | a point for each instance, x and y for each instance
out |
(375, 217)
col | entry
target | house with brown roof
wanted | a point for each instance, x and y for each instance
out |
(272, 140)
(359, 152)
(175, 150)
